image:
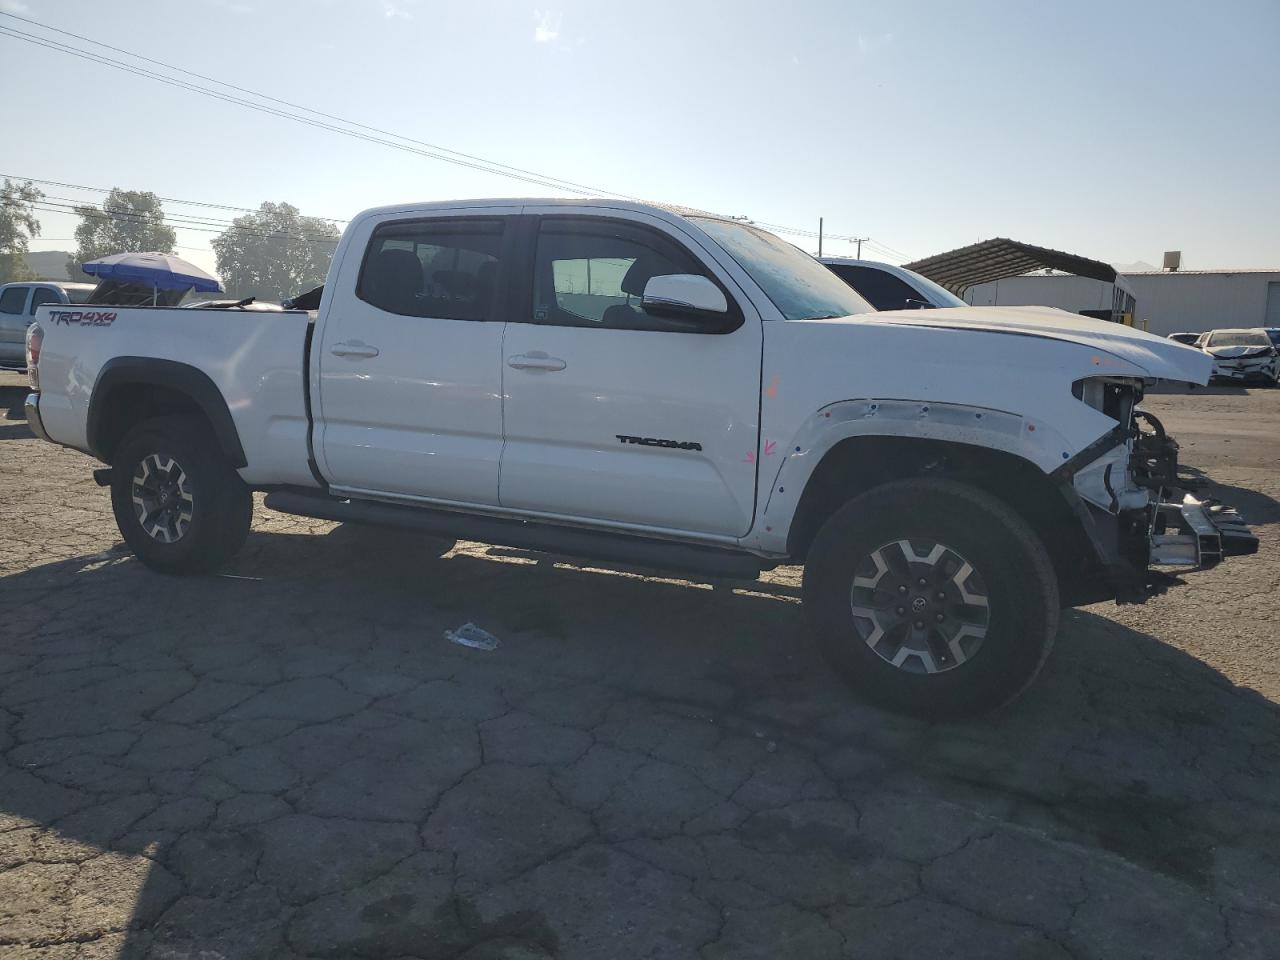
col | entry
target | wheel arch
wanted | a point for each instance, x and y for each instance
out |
(132, 389)
(856, 464)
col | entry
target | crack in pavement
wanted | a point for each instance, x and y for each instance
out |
(303, 766)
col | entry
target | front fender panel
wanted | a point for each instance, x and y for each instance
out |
(955, 423)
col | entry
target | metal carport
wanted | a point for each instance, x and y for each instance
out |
(997, 259)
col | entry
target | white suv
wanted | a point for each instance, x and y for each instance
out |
(18, 302)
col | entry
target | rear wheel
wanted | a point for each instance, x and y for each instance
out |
(180, 505)
(931, 598)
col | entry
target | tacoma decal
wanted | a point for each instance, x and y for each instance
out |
(655, 442)
(86, 318)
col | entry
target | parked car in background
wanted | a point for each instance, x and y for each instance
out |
(1274, 334)
(1242, 356)
(18, 302)
(1188, 338)
(887, 287)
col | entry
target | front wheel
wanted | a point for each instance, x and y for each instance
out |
(179, 504)
(931, 598)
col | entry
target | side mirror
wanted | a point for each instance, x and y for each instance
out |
(684, 295)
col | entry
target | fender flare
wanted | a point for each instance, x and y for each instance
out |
(873, 417)
(173, 375)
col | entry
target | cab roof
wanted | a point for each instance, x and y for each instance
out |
(637, 206)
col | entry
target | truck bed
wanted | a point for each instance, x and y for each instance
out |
(256, 360)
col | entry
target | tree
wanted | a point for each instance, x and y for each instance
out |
(274, 253)
(129, 221)
(18, 224)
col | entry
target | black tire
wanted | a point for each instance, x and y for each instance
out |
(219, 507)
(1018, 620)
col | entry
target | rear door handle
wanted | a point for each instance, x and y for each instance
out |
(354, 350)
(537, 360)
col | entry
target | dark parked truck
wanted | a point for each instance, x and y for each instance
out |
(669, 389)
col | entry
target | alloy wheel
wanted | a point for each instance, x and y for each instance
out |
(920, 606)
(162, 498)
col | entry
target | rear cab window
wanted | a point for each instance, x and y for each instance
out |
(43, 295)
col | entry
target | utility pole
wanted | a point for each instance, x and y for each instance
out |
(819, 236)
(859, 240)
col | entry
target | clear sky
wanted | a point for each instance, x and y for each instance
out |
(1115, 130)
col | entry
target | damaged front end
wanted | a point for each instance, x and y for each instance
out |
(1144, 516)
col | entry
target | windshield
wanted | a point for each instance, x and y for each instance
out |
(940, 295)
(1239, 338)
(798, 285)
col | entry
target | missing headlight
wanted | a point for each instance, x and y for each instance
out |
(1115, 396)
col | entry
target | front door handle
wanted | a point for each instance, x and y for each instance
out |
(354, 350)
(537, 360)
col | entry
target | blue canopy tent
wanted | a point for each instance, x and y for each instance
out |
(133, 278)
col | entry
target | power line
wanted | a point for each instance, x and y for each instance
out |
(189, 203)
(130, 217)
(431, 151)
(312, 110)
(905, 258)
(74, 206)
(183, 223)
(485, 166)
(811, 234)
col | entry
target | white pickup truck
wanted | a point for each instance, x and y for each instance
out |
(661, 388)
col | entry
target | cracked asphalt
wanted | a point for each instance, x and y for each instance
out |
(293, 762)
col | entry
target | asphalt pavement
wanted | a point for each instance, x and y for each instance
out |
(289, 759)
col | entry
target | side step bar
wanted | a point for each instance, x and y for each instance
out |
(526, 535)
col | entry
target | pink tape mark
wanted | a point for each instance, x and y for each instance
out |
(771, 391)
(769, 447)
(750, 457)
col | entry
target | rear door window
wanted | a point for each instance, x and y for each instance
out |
(441, 269)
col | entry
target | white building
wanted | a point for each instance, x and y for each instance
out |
(1181, 301)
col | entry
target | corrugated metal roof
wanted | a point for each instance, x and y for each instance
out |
(999, 258)
(1183, 273)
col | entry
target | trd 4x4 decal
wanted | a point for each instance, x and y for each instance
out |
(86, 318)
(655, 442)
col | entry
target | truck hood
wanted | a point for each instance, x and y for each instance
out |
(1162, 359)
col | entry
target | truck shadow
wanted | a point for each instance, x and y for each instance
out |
(1216, 389)
(1257, 508)
(293, 760)
(11, 401)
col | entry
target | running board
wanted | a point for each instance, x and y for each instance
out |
(617, 548)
